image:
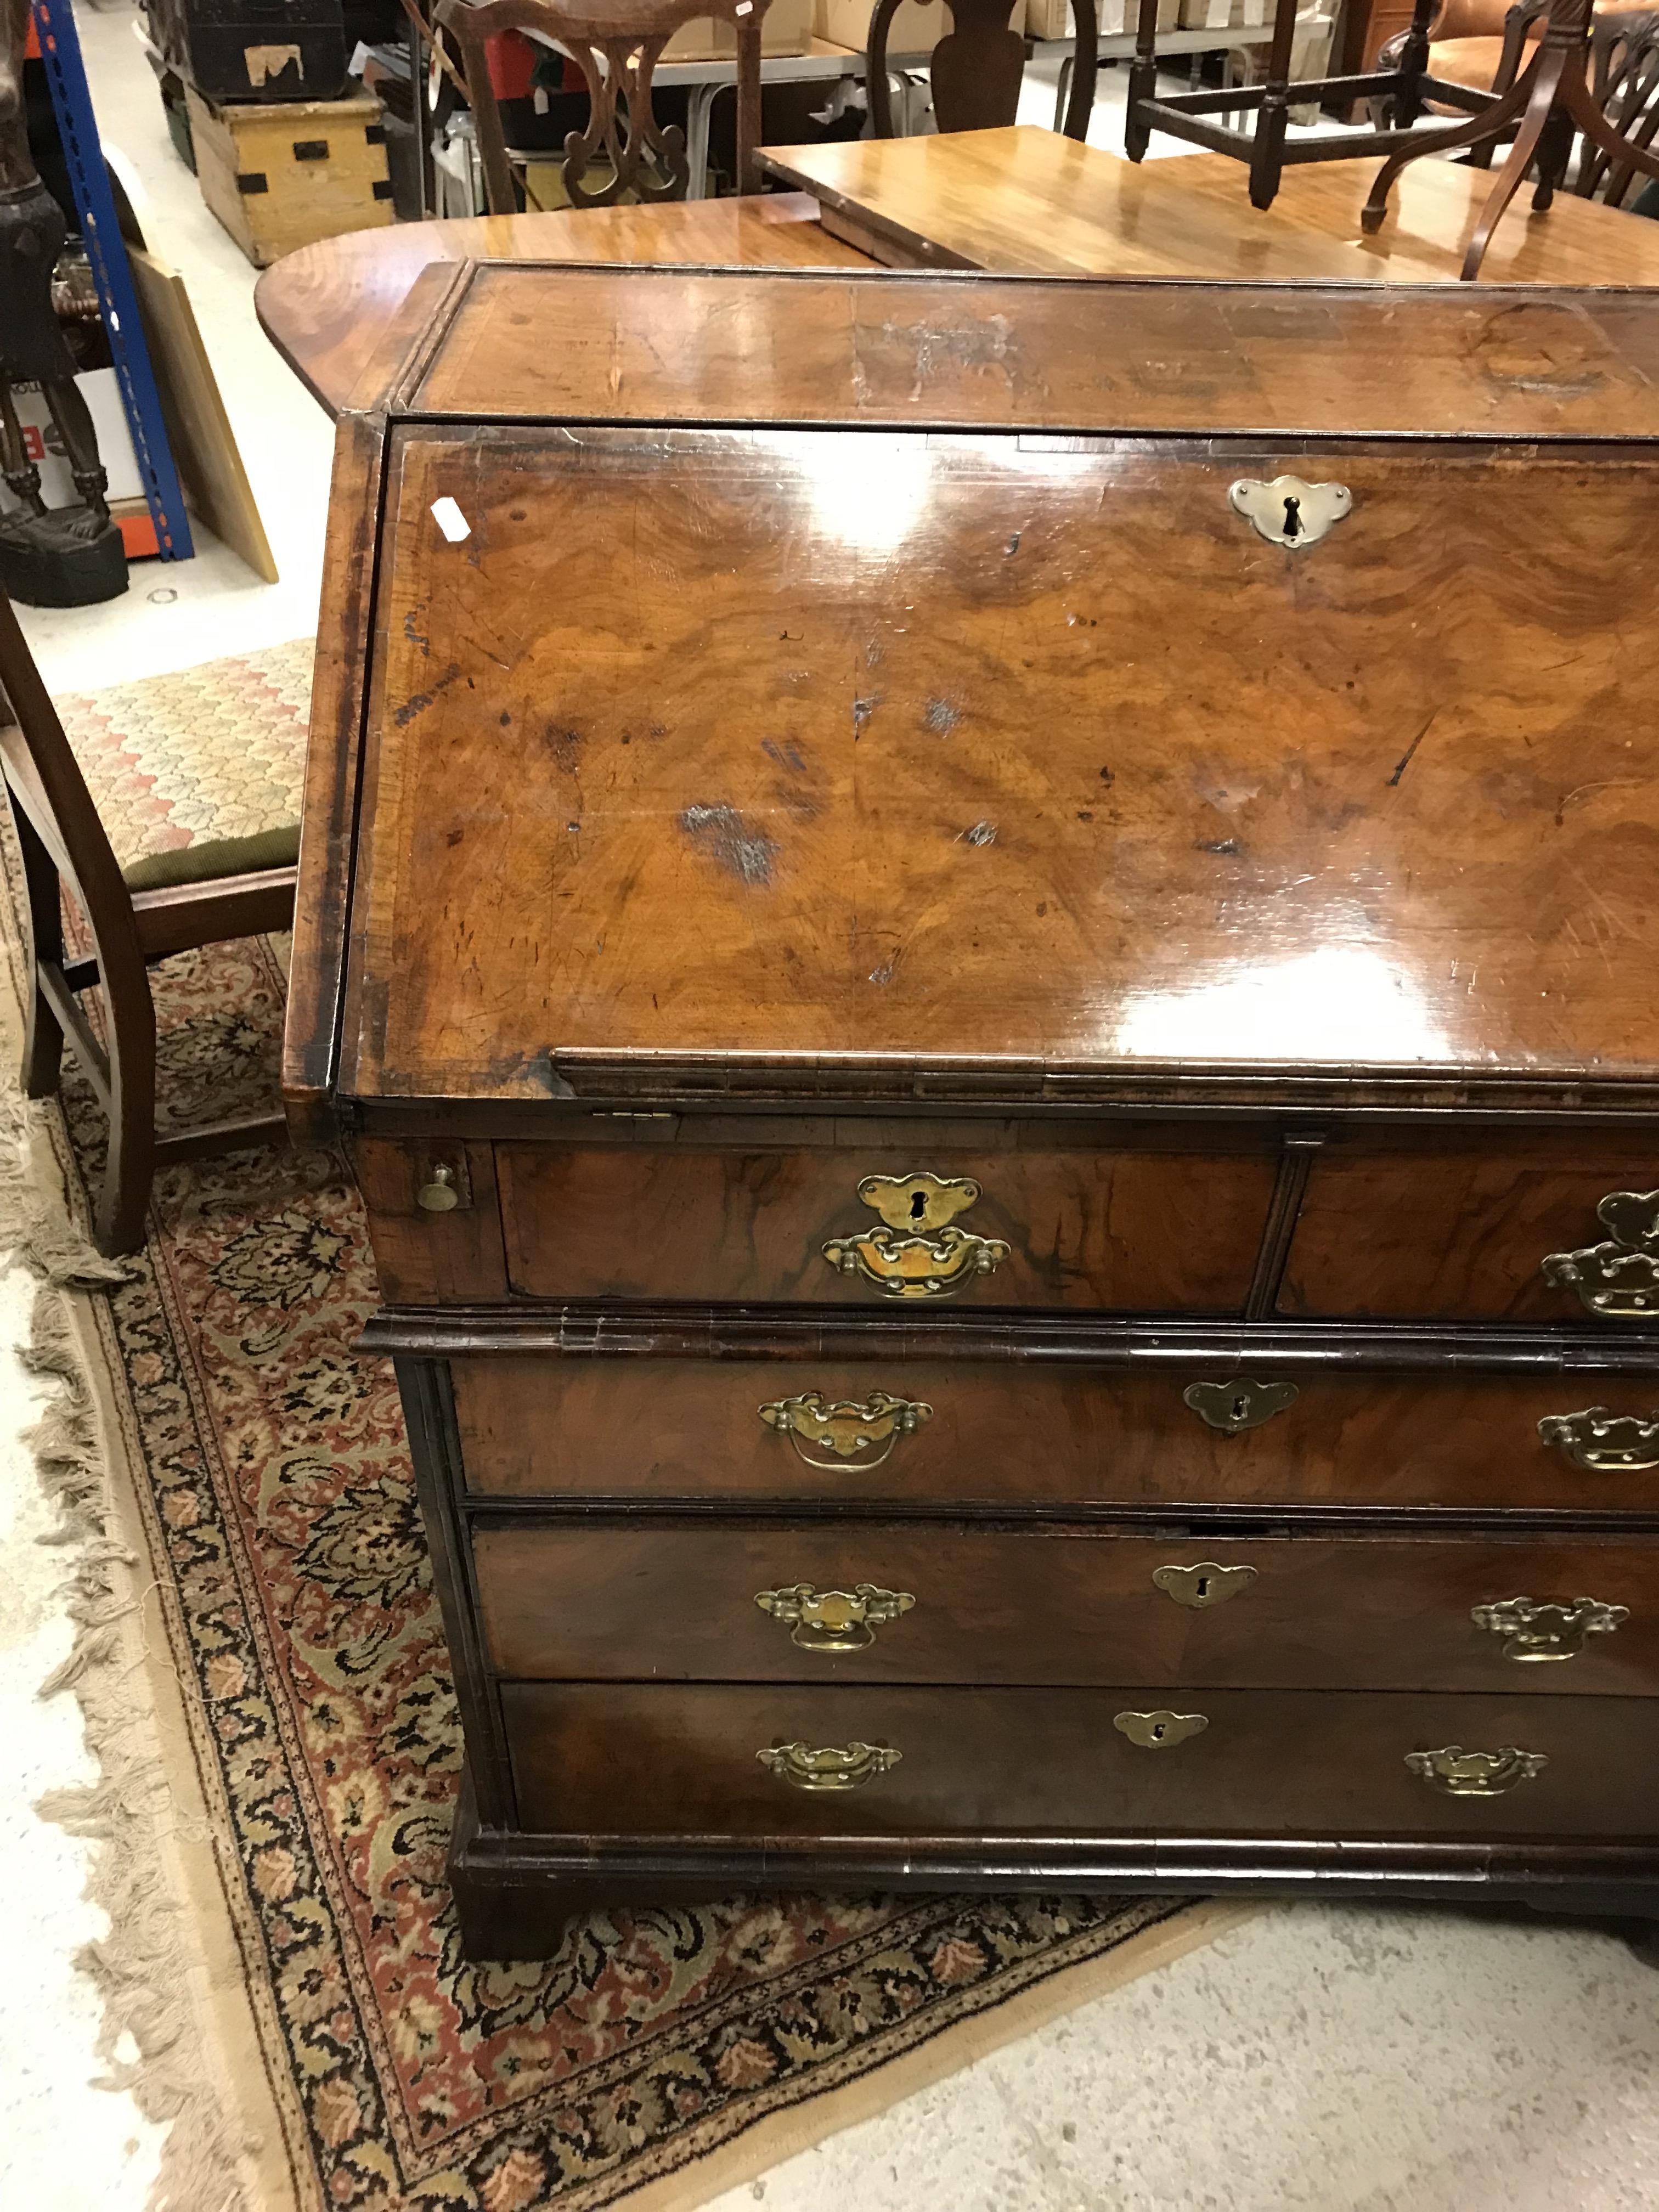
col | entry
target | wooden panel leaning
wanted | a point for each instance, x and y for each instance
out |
(63, 847)
(1018, 1200)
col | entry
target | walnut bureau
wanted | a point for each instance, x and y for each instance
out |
(986, 949)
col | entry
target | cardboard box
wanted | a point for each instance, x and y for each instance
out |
(916, 28)
(278, 178)
(787, 28)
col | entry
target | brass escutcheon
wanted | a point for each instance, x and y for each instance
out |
(846, 1428)
(832, 1766)
(920, 1254)
(1159, 1731)
(1289, 511)
(1618, 1280)
(1550, 1628)
(1463, 1773)
(1603, 1443)
(1238, 1405)
(1203, 1585)
(833, 1619)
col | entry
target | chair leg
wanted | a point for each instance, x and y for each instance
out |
(43, 1040)
(123, 1198)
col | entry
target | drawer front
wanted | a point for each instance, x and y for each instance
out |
(1125, 1230)
(1467, 1234)
(644, 1759)
(869, 1601)
(961, 1431)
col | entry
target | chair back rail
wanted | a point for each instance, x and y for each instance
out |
(616, 45)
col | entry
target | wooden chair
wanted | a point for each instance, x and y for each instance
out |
(168, 903)
(977, 68)
(616, 45)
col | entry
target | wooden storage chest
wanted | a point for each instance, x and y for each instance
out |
(985, 947)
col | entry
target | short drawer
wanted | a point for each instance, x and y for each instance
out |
(649, 1760)
(875, 1601)
(1053, 1433)
(1122, 1230)
(1561, 1228)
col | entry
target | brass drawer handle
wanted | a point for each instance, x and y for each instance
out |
(833, 1619)
(1463, 1773)
(1203, 1585)
(1603, 1443)
(1619, 1279)
(1160, 1731)
(1239, 1405)
(920, 1254)
(832, 1766)
(1288, 510)
(846, 1428)
(1548, 1629)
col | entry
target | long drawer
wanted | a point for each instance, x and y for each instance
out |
(645, 1760)
(883, 1603)
(1046, 1433)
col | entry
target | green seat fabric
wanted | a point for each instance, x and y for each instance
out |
(214, 856)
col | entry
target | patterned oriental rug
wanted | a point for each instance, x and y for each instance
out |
(266, 1681)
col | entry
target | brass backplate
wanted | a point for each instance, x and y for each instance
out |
(1549, 1628)
(1603, 1443)
(829, 1766)
(1160, 1731)
(862, 1431)
(833, 1619)
(919, 1202)
(1239, 1405)
(1289, 511)
(1619, 1278)
(1203, 1585)
(1461, 1773)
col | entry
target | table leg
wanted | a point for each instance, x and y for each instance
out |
(699, 109)
(1064, 87)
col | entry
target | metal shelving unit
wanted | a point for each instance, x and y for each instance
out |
(94, 208)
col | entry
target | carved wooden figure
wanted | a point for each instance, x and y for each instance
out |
(62, 556)
(993, 1012)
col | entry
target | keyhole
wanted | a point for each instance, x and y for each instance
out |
(1241, 1409)
(1157, 1731)
(1201, 1589)
(918, 1205)
(1293, 517)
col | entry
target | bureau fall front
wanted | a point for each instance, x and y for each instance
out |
(986, 949)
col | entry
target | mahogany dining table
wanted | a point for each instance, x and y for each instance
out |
(1014, 201)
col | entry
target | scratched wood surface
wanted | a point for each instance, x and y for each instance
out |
(1047, 355)
(857, 751)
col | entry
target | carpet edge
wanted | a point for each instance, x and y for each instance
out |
(159, 1972)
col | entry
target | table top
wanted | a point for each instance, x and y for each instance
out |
(1014, 201)
(1028, 200)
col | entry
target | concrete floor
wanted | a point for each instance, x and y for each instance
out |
(1343, 2060)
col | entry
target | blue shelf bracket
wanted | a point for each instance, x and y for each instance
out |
(101, 232)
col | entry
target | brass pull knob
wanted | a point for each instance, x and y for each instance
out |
(833, 1619)
(1288, 510)
(846, 1428)
(1239, 1405)
(1603, 1443)
(1551, 1629)
(438, 1194)
(1162, 1730)
(1618, 1280)
(1203, 1585)
(831, 1766)
(920, 1254)
(1463, 1773)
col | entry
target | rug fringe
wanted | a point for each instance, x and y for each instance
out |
(142, 1968)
